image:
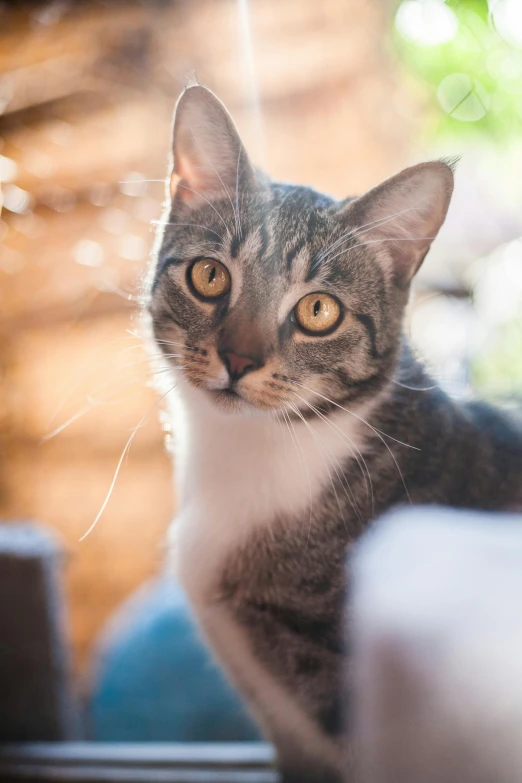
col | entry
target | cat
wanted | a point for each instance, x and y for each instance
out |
(299, 413)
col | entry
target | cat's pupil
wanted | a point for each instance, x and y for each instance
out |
(212, 274)
(317, 307)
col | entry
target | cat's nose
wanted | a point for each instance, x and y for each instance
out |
(238, 366)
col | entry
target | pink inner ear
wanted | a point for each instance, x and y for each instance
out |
(406, 212)
(181, 191)
(175, 180)
(209, 158)
(190, 179)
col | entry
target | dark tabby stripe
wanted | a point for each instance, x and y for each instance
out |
(235, 245)
(293, 252)
(369, 324)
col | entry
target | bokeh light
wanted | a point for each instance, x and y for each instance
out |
(507, 18)
(463, 98)
(426, 22)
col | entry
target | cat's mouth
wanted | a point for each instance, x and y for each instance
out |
(229, 398)
(229, 393)
(232, 395)
(235, 400)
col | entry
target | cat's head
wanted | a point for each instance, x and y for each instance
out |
(268, 295)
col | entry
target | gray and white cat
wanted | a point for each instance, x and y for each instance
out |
(299, 412)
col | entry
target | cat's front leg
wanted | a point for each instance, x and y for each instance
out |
(305, 754)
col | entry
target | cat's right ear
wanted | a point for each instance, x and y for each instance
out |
(208, 157)
(402, 216)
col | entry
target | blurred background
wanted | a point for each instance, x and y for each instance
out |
(338, 94)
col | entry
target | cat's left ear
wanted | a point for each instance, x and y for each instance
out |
(403, 215)
(209, 159)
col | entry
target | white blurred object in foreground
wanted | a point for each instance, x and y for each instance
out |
(437, 638)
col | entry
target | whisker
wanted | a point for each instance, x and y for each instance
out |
(354, 504)
(291, 430)
(180, 185)
(195, 225)
(303, 464)
(374, 429)
(176, 344)
(217, 175)
(112, 288)
(240, 230)
(86, 374)
(139, 181)
(169, 343)
(376, 242)
(202, 248)
(411, 388)
(358, 456)
(120, 462)
(330, 458)
(367, 477)
(357, 231)
(98, 403)
(283, 432)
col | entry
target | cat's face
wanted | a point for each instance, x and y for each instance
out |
(270, 296)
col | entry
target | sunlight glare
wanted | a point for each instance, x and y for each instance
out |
(426, 22)
(251, 81)
(507, 18)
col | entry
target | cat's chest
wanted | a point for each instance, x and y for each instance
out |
(240, 476)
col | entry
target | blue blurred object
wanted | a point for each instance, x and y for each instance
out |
(154, 679)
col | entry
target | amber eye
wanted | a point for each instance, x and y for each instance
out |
(210, 278)
(318, 313)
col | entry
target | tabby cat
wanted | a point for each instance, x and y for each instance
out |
(299, 412)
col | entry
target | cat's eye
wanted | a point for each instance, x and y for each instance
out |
(210, 278)
(318, 313)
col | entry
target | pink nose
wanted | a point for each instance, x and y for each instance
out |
(238, 366)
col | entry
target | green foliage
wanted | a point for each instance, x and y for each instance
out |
(496, 371)
(473, 81)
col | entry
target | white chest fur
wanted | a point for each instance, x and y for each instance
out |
(236, 473)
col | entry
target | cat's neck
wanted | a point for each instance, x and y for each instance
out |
(262, 463)
(239, 474)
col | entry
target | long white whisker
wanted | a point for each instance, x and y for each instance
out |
(196, 225)
(375, 429)
(120, 462)
(411, 388)
(291, 430)
(368, 226)
(284, 434)
(138, 362)
(377, 432)
(239, 229)
(181, 185)
(217, 175)
(86, 374)
(98, 403)
(303, 463)
(202, 248)
(376, 242)
(358, 456)
(139, 181)
(331, 459)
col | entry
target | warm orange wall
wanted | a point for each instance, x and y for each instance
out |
(333, 116)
